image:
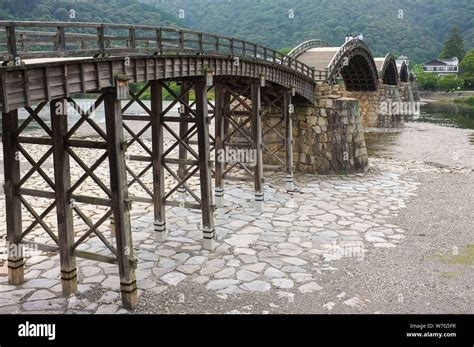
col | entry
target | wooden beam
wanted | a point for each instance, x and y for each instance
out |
(156, 91)
(257, 145)
(183, 129)
(288, 141)
(120, 199)
(209, 233)
(11, 163)
(62, 183)
(219, 145)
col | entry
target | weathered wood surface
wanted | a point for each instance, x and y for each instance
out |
(108, 38)
(143, 53)
(31, 84)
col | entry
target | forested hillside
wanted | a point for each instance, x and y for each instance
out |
(416, 28)
(109, 11)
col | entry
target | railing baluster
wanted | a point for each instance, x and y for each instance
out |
(132, 39)
(60, 45)
(181, 40)
(101, 38)
(159, 43)
(217, 44)
(23, 38)
(200, 43)
(11, 40)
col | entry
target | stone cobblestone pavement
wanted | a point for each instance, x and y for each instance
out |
(286, 249)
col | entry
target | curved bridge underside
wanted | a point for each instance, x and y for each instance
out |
(403, 72)
(387, 69)
(353, 62)
(25, 85)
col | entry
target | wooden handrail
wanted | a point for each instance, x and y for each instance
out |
(72, 38)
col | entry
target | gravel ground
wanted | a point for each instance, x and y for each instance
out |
(432, 271)
(422, 275)
(413, 212)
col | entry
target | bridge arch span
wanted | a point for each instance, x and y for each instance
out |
(403, 72)
(304, 46)
(387, 69)
(353, 61)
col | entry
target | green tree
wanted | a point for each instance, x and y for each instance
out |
(428, 80)
(453, 46)
(467, 65)
(467, 69)
(450, 82)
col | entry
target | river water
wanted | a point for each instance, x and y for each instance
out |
(443, 135)
(444, 114)
(448, 122)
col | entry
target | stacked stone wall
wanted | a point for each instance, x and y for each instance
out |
(327, 137)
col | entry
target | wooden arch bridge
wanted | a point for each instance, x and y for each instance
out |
(353, 62)
(45, 64)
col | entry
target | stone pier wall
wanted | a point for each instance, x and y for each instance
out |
(327, 137)
(378, 109)
(330, 137)
(377, 106)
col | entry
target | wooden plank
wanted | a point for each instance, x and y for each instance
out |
(26, 87)
(120, 200)
(62, 178)
(66, 80)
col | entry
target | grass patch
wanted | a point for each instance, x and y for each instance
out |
(449, 275)
(469, 100)
(464, 256)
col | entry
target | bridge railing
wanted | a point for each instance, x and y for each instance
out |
(302, 47)
(21, 40)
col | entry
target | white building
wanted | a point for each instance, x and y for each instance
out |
(402, 59)
(442, 66)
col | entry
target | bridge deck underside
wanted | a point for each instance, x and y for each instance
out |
(34, 83)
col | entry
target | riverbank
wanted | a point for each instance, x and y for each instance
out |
(444, 97)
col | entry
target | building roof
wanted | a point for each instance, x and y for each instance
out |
(437, 62)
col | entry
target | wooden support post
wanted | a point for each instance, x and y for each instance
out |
(62, 182)
(156, 91)
(120, 200)
(219, 146)
(288, 141)
(257, 145)
(183, 153)
(11, 163)
(209, 234)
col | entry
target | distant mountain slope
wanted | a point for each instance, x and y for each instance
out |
(419, 34)
(108, 11)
